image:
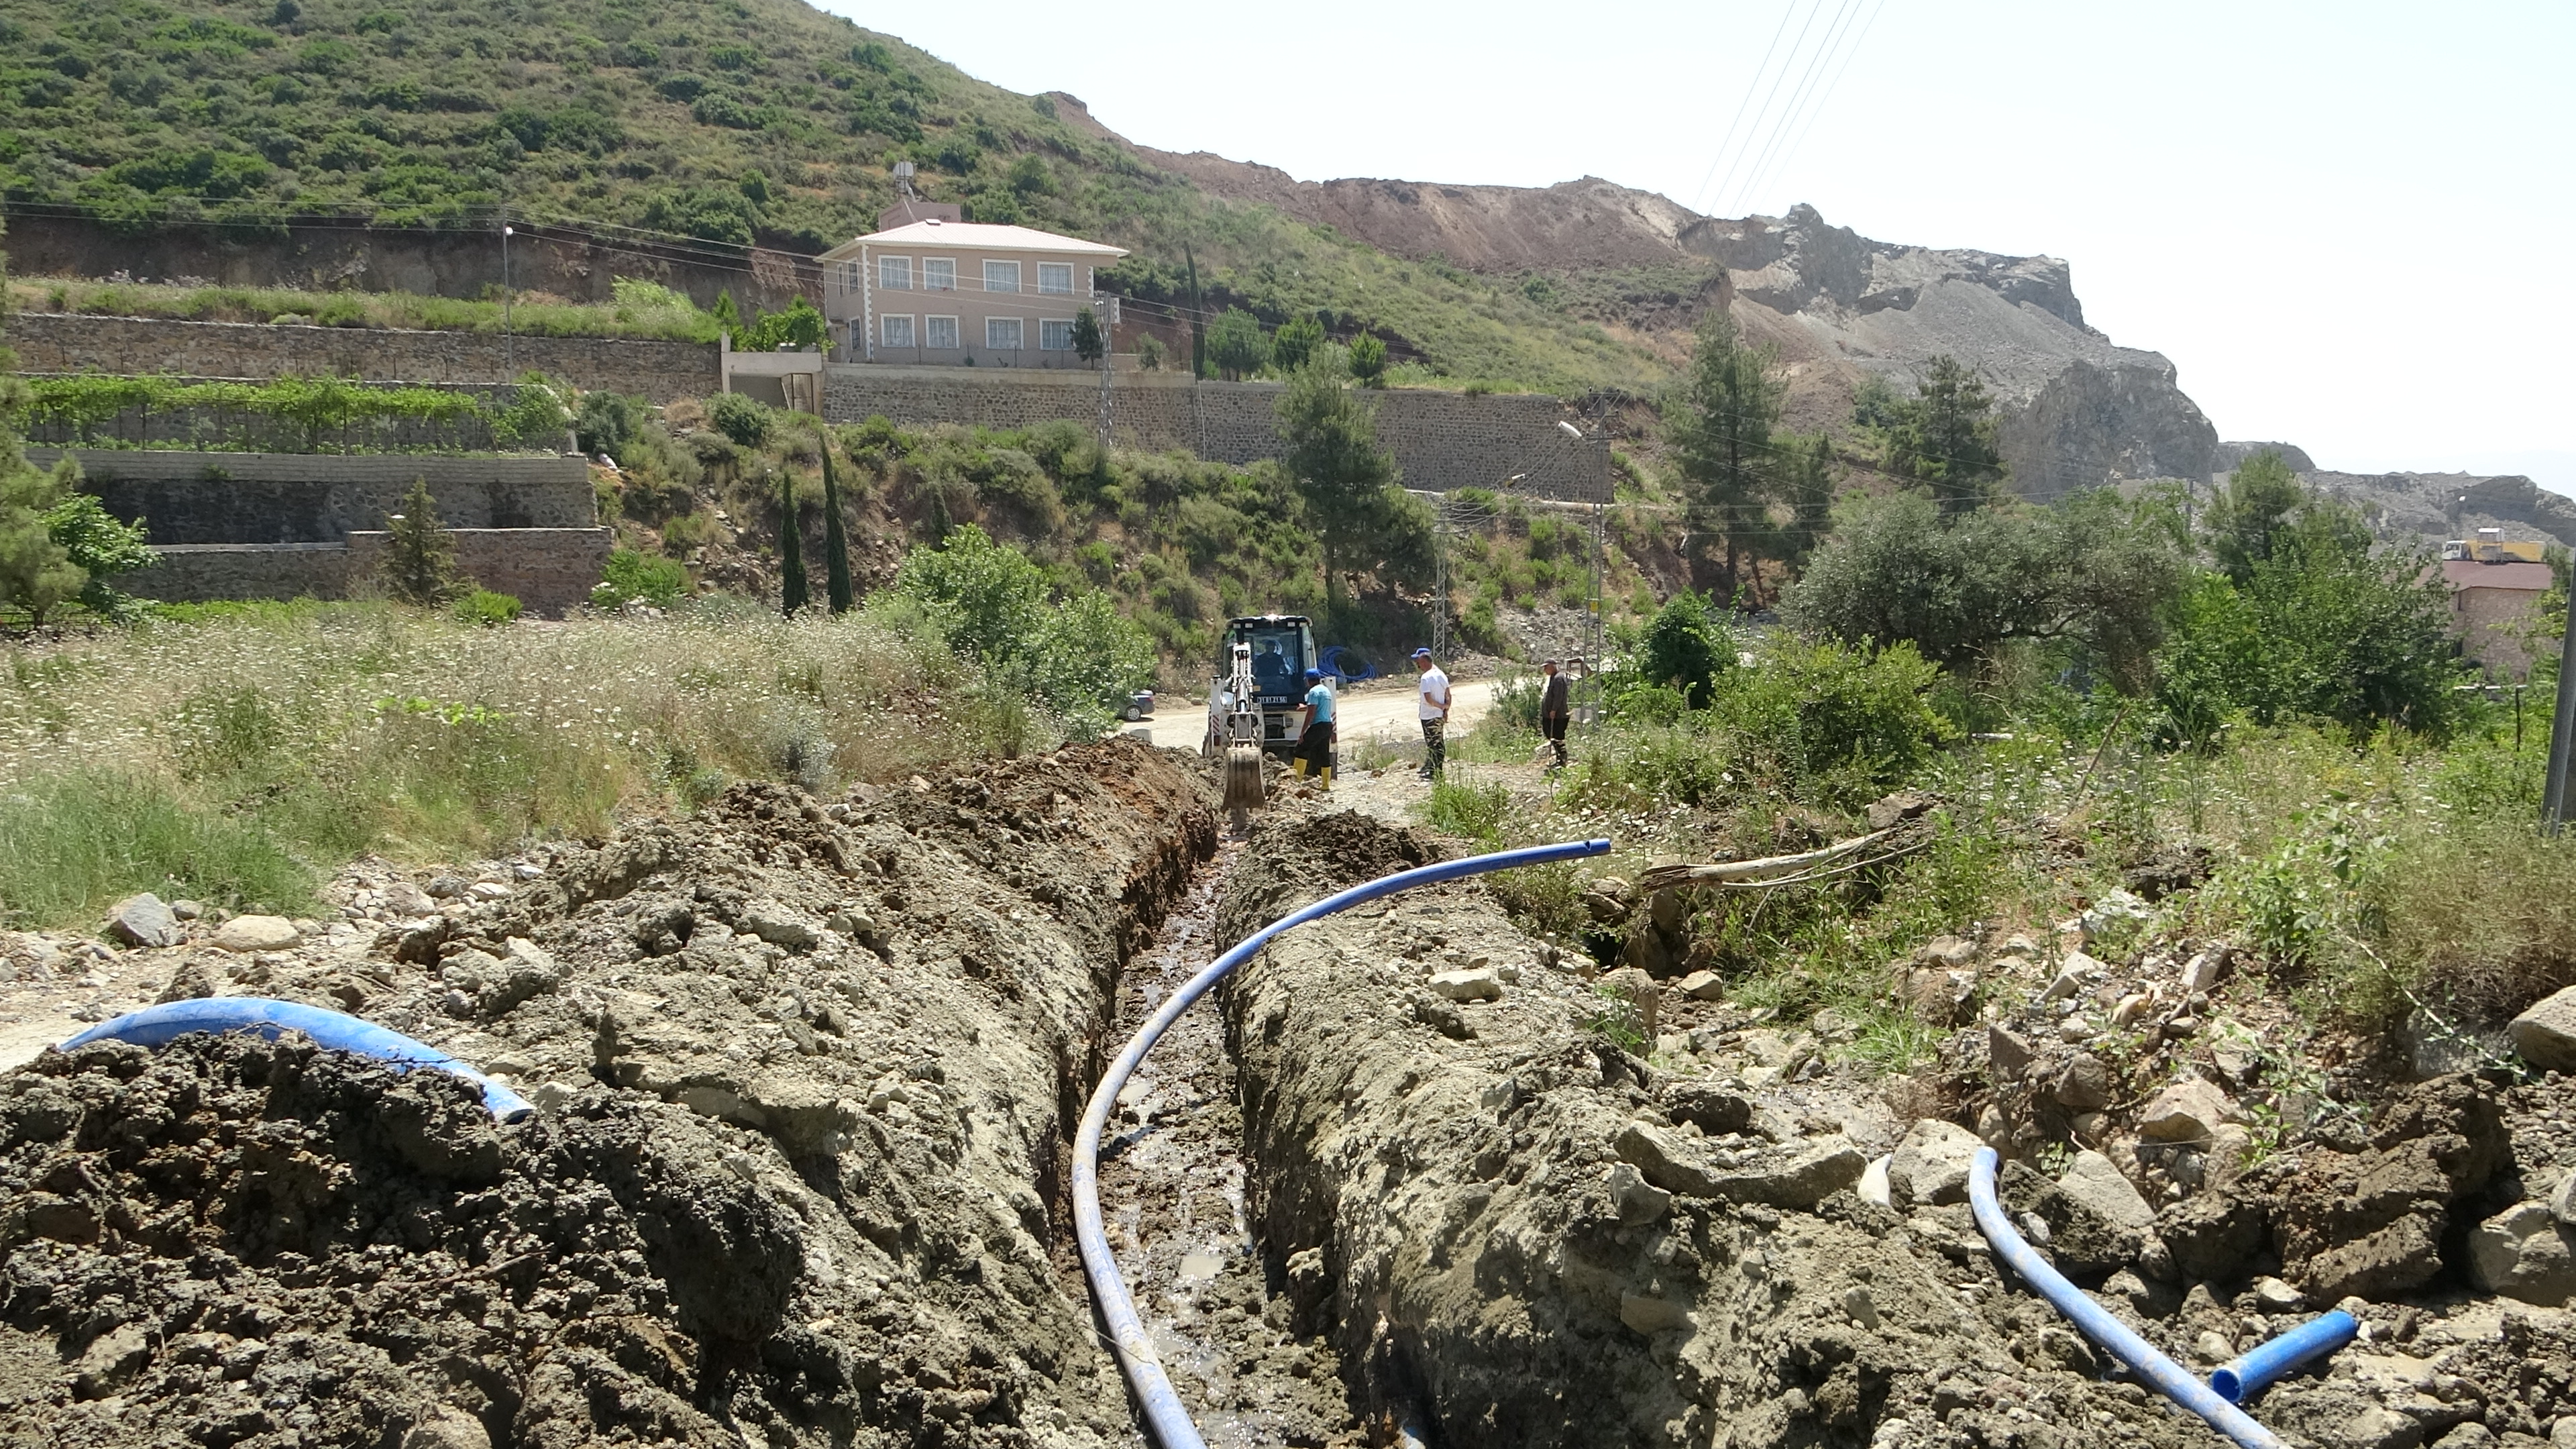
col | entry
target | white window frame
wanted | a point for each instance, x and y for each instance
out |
(1055, 334)
(939, 274)
(848, 276)
(886, 330)
(1001, 276)
(993, 341)
(894, 274)
(930, 327)
(1048, 275)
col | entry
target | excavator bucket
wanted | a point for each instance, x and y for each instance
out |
(1243, 792)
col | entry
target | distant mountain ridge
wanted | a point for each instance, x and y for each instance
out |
(2078, 409)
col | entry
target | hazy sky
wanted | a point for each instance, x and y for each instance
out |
(2345, 223)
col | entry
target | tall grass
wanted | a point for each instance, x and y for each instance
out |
(236, 751)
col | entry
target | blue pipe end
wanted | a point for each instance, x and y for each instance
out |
(2265, 1364)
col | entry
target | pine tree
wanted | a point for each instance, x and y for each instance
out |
(791, 549)
(1719, 429)
(420, 556)
(836, 542)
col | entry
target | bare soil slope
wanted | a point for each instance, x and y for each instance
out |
(804, 1074)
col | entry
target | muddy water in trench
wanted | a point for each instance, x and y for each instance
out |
(1172, 1194)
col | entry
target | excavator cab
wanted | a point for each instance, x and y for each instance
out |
(1282, 647)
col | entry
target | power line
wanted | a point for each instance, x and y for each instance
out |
(1824, 102)
(1815, 8)
(1750, 87)
(1816, 63)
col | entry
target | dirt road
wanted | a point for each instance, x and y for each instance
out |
(1376, 711)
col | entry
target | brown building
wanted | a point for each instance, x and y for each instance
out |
(2491, 605)
(935, 292)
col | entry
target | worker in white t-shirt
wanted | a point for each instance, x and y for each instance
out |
(1434, 709)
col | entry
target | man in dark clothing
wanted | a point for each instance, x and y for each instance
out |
(1315, 731)
(1555, 709)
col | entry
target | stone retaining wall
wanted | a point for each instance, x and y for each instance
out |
(547, 569)
(71, 342)
(200, 498)
(1442, 440)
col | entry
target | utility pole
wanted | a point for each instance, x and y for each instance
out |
(2562, 733)
(509, 338)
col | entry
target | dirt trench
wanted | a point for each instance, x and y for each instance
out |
(806, 1071)
(1458, 1183)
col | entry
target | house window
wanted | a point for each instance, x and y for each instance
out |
(894, 273)
(1055, 279)
(896, 331)
(1002, 334)
(1054, 336)
(849, 276)
(939, 274)
(939, 334)
(1001, 276)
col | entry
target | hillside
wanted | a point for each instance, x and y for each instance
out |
(736, 123)
(377, 144)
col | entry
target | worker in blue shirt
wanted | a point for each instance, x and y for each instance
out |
(1315, 730)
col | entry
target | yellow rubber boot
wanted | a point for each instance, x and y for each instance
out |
(1300, 767)
(1327, 777)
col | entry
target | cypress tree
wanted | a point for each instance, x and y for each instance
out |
(791, 548)
(836, 543)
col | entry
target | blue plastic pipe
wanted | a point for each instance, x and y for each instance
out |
(2257, 1369)
(1163, 1412)
(157, 1025)
(2143, 1358)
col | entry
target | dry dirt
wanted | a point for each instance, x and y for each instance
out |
(1521, 1233)
(805, 1080)
(805, 1071)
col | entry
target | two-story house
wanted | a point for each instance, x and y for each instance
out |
(937, 291)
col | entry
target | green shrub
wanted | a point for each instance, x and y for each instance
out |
(482, 606)
(1474, 810)
(606, 422)
(1841, 722)
(745, 420)
(631, 575)
(1686, 648)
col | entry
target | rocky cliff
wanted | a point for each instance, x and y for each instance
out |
(2078, 408)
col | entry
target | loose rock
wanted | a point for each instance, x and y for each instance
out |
(2546, 1034)
(245, 934)
(143, 921)
(2095, 1181)
(1477, 984)
(1931, 1164)
(2188, 1111)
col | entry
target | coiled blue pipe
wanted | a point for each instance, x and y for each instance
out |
(2258, 1368)
(1163, 1412)
(156, 1025)
(2143, 1358)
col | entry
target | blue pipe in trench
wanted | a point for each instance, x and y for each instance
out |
(1162, 1406)
(2143, 1358)
(157, 1025)
(2257, 1368)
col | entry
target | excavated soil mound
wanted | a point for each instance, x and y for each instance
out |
(1458, 1183)
(804, 1073)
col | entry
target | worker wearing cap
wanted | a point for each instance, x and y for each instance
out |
(1434, 712)
(1315, 730)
